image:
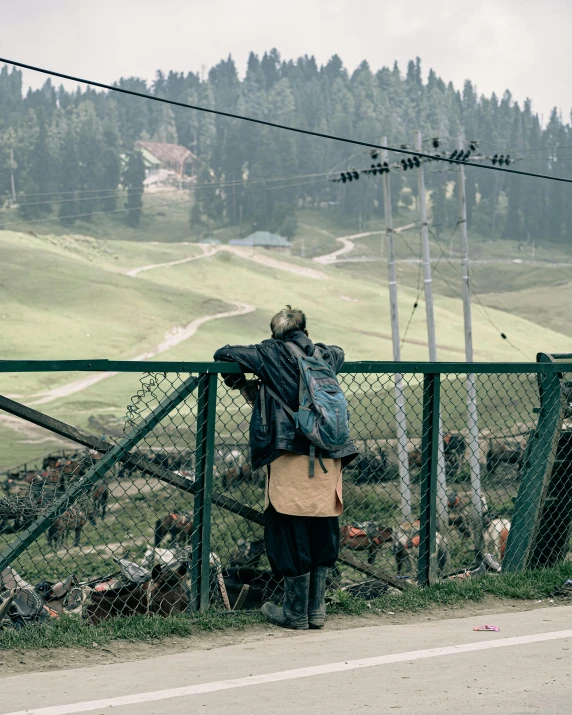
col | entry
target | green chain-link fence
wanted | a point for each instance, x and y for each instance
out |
(457, 473)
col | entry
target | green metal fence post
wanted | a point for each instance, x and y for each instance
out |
(83, 484)
(535, 476)
(201, 541)
(427, 566)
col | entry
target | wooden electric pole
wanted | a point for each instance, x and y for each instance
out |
(400, 418)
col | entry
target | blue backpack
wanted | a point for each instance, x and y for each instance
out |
(323, 416)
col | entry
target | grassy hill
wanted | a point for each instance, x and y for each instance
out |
(535, 287)
(69, 296)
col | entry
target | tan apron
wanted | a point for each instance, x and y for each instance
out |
(291, 491)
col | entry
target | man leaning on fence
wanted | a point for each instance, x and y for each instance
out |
(303, 483)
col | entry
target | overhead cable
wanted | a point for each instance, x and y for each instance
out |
(274, 125)
(167, 204)
(191, 188)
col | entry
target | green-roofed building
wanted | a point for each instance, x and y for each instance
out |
(263, 239)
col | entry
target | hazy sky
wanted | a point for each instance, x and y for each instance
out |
(516, 44)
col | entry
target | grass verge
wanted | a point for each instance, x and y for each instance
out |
(71, 632)
(531, 585)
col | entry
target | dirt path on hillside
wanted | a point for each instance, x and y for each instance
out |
(272, 262)
(179, 334)
(207, 250)
(173, 337)
(246, 253)
(348, 244)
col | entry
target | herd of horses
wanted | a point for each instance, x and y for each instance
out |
(165, 588)
(368, 536)
(405, 538)
(38, 488)
(372, 466)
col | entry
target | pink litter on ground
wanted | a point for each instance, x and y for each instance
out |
(486, 628)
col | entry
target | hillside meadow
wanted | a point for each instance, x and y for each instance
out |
(69, 296)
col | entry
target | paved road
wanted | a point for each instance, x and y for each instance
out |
(434, 667)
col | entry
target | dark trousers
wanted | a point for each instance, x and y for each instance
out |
(296, 545)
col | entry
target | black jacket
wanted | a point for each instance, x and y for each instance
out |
(273, 363)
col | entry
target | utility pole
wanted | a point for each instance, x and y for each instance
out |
(472, 414)
(428, 282)
(442, 512)
(400, 418)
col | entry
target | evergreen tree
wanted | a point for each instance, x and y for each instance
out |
(90, 152)
(68, 145)
(39, 180)
(133, 179)
(110, 160)
(69, 176)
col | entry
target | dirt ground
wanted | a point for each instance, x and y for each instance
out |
(13, 662)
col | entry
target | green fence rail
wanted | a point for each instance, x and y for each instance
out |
(172, 486)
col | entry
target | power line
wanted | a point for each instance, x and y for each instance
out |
(275, 125)
(502, 334)
(416, 301)
(496, 327)
(454, 290)
(221, 185)
(140, 208)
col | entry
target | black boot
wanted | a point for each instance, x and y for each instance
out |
(294, 610)
(317, 598)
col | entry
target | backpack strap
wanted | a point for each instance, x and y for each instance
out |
(321, 461)
(299, 353)
(279, 400)
(313, 454)
(263, 406)
(312, 460)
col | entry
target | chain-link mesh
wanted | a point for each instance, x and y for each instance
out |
(177, 524)
(124, 545)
